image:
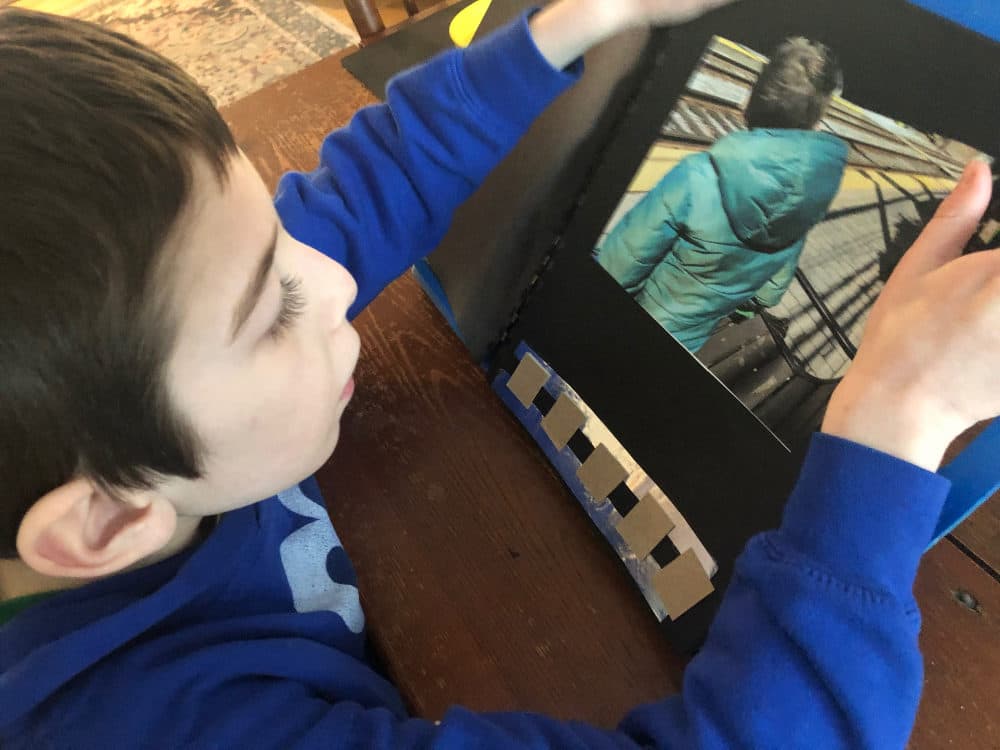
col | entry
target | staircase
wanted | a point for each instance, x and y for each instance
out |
(747, 359)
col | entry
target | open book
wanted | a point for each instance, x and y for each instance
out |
(669, 276)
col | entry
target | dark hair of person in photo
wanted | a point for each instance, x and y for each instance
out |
(795, 87)
(97, 138)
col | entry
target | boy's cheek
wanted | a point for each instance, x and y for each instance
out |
(261, 456)
(271, 423)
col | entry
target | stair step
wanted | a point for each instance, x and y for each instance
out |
(807, 417)
(780, 403)
(758, 384)
(753, 354)
(731, 339)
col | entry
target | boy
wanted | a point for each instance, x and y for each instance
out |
(173, 350)
(728, 225)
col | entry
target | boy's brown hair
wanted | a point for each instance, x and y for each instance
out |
(97, 140)
(795, 87)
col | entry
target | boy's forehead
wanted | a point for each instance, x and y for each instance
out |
(219, 237)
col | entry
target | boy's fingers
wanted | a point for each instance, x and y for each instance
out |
(956, 220)
(676, 12)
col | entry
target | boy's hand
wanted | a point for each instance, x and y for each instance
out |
(667, 12)
(929, 362)
(568, 28)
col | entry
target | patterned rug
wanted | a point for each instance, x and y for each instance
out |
(232, 47)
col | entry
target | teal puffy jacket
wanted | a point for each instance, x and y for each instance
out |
(725, 226)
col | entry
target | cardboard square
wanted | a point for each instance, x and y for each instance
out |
(682, 584)
(562, 421)
(645, 526)
(601, 473)
(527, 380)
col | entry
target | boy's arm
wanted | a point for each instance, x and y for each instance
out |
(388, 184)
(646, 234)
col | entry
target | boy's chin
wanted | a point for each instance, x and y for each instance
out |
(323, 447)
(330, 446)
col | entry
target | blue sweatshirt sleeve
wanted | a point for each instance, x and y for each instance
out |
(388, 184)
(815, 645)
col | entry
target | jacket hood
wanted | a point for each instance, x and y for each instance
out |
(777, 184)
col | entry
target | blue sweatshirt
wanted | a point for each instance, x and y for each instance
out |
(254, 638)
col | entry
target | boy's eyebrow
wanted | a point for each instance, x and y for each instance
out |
(249, 299)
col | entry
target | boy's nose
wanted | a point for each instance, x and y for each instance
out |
(342, 292)
(354, 291)
(350, 293)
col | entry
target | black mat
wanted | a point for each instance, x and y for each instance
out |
(376, 64)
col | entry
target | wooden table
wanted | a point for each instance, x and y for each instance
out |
(484, 583)
(368, 20)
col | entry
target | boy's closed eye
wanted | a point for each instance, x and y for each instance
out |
(256, 285)
(293, 302)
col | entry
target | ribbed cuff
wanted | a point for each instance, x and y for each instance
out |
(508, 76)
(862, 513)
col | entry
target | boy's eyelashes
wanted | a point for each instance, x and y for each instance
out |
(293, 302)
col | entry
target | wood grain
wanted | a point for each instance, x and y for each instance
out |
(281, 127)
(365, 17)
(980, 534)
(484, 583)
(961, 705)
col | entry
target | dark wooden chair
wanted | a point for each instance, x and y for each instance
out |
(367, 19)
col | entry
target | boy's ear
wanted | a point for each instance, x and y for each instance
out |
(78, 530)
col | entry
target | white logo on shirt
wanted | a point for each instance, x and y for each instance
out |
(303, 555)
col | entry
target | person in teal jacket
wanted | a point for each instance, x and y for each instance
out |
(728, 225)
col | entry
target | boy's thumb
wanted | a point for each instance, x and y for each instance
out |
(956, 220)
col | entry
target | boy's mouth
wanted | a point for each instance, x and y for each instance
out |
(348, 390)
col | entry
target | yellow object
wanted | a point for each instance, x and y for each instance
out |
(466, 23)
(58, 7)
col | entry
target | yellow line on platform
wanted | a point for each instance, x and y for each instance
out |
(663, 157)
(659, 161)
(741, 49)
